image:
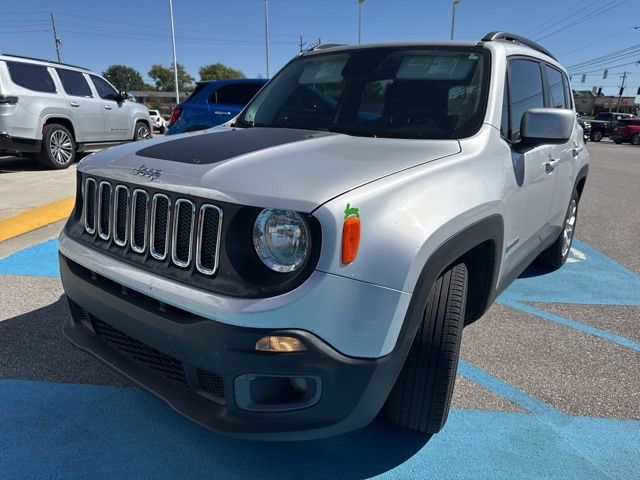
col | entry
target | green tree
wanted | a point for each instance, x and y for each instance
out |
(218, 71)
(124, 78)
(163, 78)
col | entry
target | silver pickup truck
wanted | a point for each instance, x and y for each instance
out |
(312, 263)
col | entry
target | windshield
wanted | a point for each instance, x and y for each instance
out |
(396, 92)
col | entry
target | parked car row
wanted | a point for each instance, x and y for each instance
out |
(52, 110)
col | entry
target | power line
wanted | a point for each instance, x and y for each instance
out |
(603, 9)
(546, 26)
(595, 43)
(605, 57)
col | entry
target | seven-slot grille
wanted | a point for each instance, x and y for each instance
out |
(154, 223)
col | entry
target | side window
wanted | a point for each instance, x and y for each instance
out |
(238, 94)
(505, 125)
(105, 90)
(74, 83)
(33, 77)
(525, 90)
(556, 88)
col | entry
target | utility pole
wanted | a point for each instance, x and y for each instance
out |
(301, 44)
(175, 58)
(453, 17)
(56, 40)
(266, 33)
(624, 78)
(360, 2)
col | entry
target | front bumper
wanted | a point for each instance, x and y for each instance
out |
(201, 367)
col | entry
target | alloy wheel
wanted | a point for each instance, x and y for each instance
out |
(142, 132)
(569, 227)
(61, 147)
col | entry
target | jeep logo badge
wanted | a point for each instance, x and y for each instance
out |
(151, 173)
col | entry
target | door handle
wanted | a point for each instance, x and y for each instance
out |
(74, 104)
(107, 107)
(218, 112)
(551, 165)
(576, 151)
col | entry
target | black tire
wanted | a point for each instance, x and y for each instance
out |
(635, 140)
(421, 396)
(141, 131)
(596, 136)
(556, 255)
(58, 147)
(162, 129)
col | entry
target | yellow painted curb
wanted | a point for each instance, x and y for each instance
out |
(35, 218)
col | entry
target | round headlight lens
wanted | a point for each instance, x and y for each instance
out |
(281, 240)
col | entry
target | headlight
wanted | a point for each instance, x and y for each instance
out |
(281, 239)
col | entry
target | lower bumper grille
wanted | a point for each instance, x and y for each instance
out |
(148, 357)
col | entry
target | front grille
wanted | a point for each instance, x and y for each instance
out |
(161, 363)
(158, 226)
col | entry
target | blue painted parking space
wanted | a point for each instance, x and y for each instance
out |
(88, 431)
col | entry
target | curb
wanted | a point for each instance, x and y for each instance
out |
(35, 218)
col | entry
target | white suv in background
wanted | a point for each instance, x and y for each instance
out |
(157, 121)
(54, 110)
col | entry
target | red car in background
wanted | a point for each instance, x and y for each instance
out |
(627, 131)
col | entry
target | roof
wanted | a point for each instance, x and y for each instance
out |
(40, 60)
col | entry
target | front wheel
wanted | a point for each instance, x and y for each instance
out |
(58, 147)
(141, 132)
(596, 136)
(421, 397)
(556, 255)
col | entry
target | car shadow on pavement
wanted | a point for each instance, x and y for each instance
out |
(33, 348)
(12, 164)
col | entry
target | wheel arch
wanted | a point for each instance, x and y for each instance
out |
(477, 245)
(61, 120)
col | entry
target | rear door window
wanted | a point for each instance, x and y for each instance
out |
(74, 83)
(525, 90)
(238, 94)
(33, 77)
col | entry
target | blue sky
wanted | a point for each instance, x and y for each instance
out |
(135, 33)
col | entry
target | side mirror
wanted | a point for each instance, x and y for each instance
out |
(122, 95)
(546, 126)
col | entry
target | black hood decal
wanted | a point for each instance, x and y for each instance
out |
(218, 146)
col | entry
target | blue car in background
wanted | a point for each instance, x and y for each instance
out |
(212, 103)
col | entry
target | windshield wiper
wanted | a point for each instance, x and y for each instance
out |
(243, 123)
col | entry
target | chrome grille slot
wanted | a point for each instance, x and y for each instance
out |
(90, 206)
(160, 221)
(121, 215)
(208, 241)
(182, 234)
(139, 220)
(104, 210)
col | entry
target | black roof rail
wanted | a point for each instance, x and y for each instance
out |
(44, 60)
(512, 37)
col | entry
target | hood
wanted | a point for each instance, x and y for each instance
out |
(265, 167)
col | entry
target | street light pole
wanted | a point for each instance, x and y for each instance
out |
(360, 2)
(266, 33)
(175, 59)
(453, 16)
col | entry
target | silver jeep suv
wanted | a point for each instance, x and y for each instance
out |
(311, 264)
(53, 110)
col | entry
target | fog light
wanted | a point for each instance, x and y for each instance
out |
(280, 344)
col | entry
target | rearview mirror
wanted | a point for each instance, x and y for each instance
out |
(546, 126)
(122, 95)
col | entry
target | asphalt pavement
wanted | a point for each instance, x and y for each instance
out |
(548, 384)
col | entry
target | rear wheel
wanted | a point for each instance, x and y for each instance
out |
(635, 140)
(421, 397)
(58, 148)
(556, 255)
(141, 131)
(596, 136)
